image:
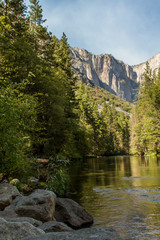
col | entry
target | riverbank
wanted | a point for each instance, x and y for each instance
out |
(41, 215)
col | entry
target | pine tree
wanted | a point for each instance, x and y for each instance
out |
(39, 32)
(36, 13)
(146, 130)
(16, 53)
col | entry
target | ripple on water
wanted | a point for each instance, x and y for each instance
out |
(151, 195)
(103, 189)
(137, 177)
(121, 193)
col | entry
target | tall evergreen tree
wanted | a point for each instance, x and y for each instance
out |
(39, 32)
(146, 129)
(36, 13)
(16, 53)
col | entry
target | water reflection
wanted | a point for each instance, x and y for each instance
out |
(120, 192)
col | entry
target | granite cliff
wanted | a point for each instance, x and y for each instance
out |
(109, 73)
(154, 63)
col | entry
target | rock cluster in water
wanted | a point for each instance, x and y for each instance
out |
(43, 216)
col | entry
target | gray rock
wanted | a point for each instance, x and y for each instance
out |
(17, 230)
(109, 73)
(154, 64)
(106, 72)
(72, 214)
(39, 205)
(83, 234)
(2, 220)
(7, 193)
(32, 221)
(9, 211)
(54, 226)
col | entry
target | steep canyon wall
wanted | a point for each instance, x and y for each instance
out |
(109, 73)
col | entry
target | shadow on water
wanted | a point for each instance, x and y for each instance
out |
(121, 192)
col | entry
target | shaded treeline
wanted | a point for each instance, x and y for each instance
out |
(44, 110)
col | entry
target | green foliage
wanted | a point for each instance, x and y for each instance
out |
(36, 16)
(59, 183)
(57, 179)
(101, 96)
(17, 120)
(106, 129)
(145, 123)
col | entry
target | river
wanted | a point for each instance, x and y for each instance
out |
(120, 192)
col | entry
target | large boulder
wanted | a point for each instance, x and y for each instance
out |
(83, 234)
(7, 193)
(54, 226)
(32, 221)
(39, 205)
(72, 214)
(17, 230)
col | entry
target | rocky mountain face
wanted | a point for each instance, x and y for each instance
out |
(111, 74)
(154, 64)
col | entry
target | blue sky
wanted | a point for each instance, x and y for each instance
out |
(127, 29)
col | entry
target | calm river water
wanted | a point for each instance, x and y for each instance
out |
(121, 193)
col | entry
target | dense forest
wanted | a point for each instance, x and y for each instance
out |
(45, 111)
(145, 120)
